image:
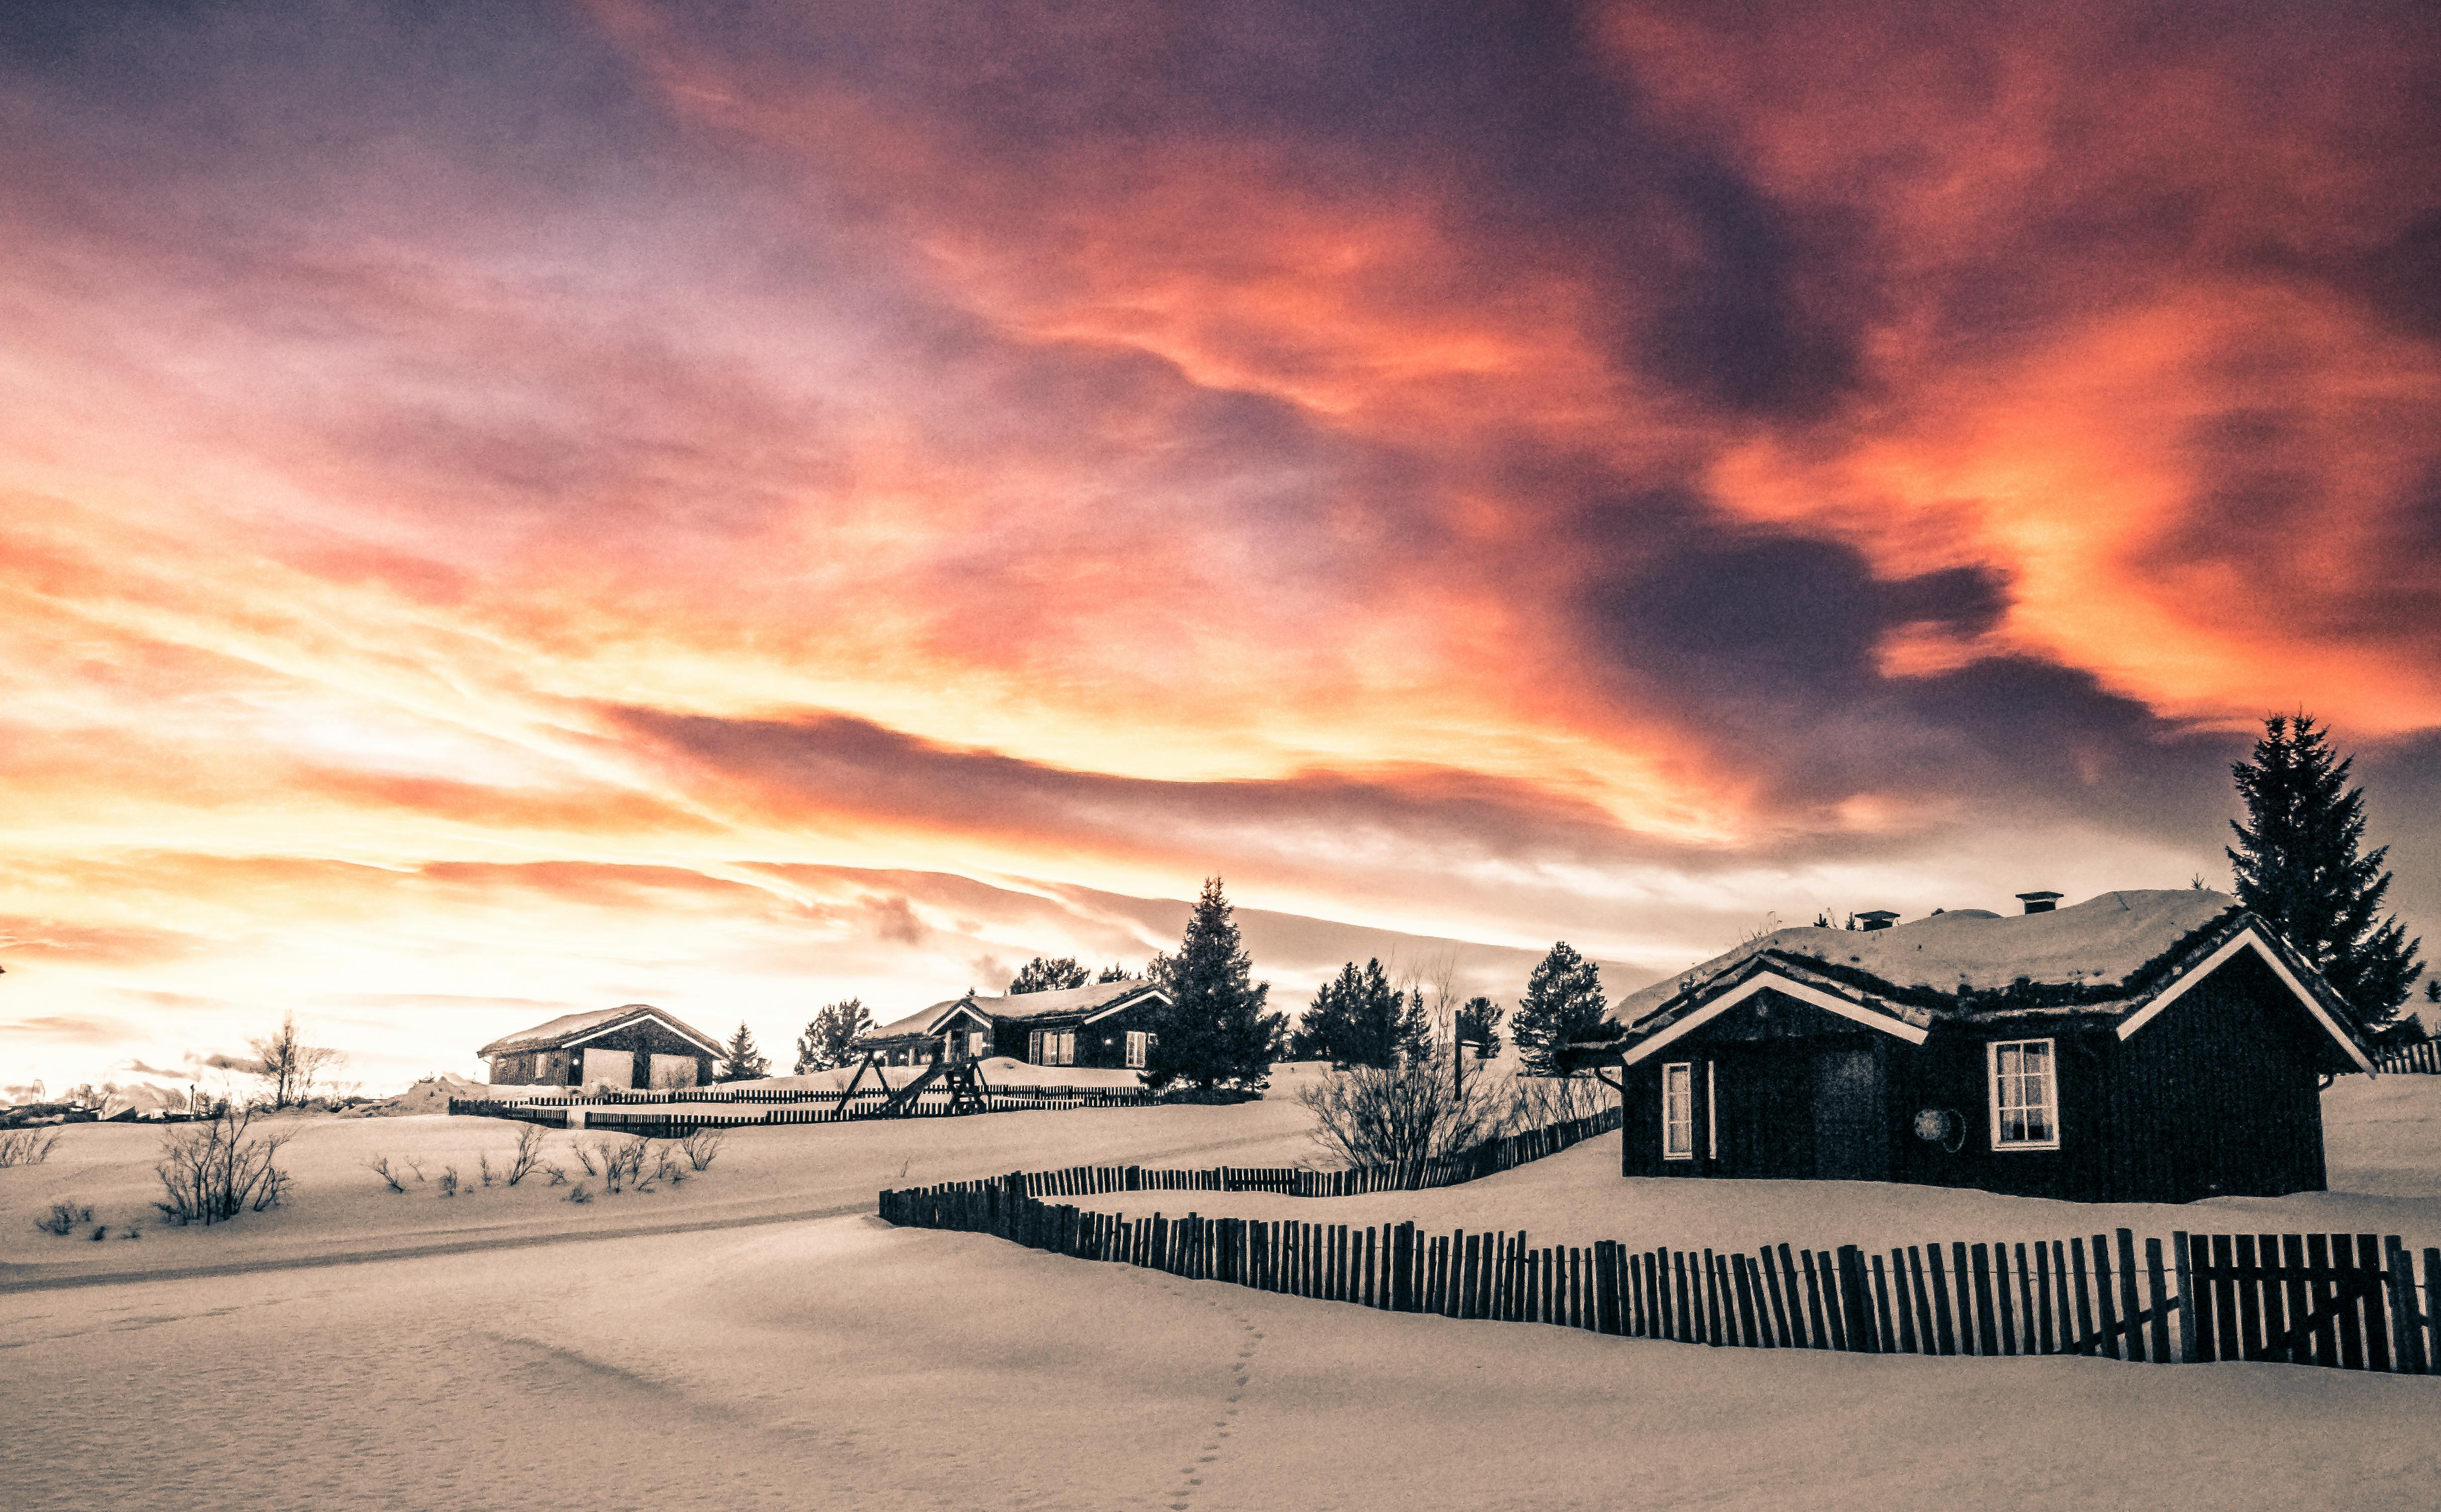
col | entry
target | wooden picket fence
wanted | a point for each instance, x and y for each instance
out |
(2422, 1059)
(1493, 1155)
(2353, 1302)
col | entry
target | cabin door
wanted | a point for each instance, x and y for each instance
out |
(1851, 1133)
(1759, 1101)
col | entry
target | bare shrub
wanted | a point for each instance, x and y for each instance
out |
(1540, 1100)
(622, 1163)
(1402, 1115)
(26, 1146)
(449, 1180)
(212, 1170)
(483, 1166)
(702, 1147)
(64, 1217)
(413, 1164)
(528, 1155)
(558, 1174)
(100, 1232)
(577, 1194)
(586, 1157)
(379, 1166)
(666, 1166)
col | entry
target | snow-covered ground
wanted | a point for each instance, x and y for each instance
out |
(840, 1362)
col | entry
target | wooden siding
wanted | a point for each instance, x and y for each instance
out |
(2219, 1096)
(644, 1039)
(1102, 1043)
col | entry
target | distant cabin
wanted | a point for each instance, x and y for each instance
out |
(1110, 1024)
(629, 1047)
(2141, 1046)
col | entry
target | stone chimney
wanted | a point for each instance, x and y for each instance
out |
(2039, 902)
(1876, 919)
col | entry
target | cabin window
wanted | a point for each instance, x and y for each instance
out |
(1678, 1112)
(2025, 1095)
(1136, 1038)
(1053, 1048)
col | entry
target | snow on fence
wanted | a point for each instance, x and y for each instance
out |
(656, 1116)
(2419, 1059)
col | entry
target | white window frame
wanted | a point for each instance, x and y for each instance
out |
(1034, 1046)
(1711, 1112)
(1138, 1042)
(1683, 1071)
(2047, 1081)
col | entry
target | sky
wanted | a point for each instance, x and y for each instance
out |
(515, 508)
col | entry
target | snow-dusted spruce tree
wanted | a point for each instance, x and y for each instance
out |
(739, 1060)
(1563, 1001)
(1478, 1024)
(2297, 865)
(1044, 974)
(830, 1039)
(1214, 1031)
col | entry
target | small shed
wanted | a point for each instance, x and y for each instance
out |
(2141, 1047)
(1110, 1024)
(633, 1046)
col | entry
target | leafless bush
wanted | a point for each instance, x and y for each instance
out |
(578, 1195)
(528, 1155)
(483, 1166)
(449, 1180)
(666, 1166)
(379, 1166)
(26, 1146)
(64, 1217)
(211, 1170)
(622, 1163)
(413, 1164)
(1540, 1100)
(584, 1157)
(558, 1175)
(702, 1147)
(100, 1232)
(1402, 1115)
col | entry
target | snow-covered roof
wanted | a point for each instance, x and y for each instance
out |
(2102, 941)
(1024, 1007)
(2110, 956)
(928, 1022)
(571, 1027)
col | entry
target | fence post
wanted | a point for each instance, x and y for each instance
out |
(2406, 1340)
(2187, 1352)
(2158, 1302)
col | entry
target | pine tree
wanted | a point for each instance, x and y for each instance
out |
(1478, 1024)
(2297, 866)
(740, 1061)
(1214, 1031)
(1113, 972)
(1325, 1027)
(1564, 1002)
(830, 1039)
(1044, 973)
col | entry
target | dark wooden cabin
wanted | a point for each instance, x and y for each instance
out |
(629, 1047)
(1108, 1024)
(2142, 1047)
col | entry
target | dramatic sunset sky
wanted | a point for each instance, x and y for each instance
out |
(512, 508)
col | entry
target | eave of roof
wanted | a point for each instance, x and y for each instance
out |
(572, 1029)
(2129, 1004)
